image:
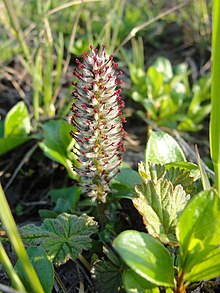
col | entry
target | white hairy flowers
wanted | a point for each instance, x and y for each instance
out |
(97, 118)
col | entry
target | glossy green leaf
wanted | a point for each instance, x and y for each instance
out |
(162, 148)
(17, 121)
(155, 82)
(134, 283)
(9, 143)
(62, 238)
(199, 237)
(16, 128)
(164, 66)
(146, 256)
(42, 266)
(159, 204)
(57, 144)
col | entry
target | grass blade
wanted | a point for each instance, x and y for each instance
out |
(15, 239)
(10, 270)
(215, 99)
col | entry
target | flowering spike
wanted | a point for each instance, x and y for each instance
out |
(98, 121)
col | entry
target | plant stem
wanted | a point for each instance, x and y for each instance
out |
(85, 262)
(180, 288)
(215, 99)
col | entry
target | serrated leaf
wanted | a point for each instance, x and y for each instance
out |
(146, 256)
(42, 266)
(134, 283)
(151, 171)
(160, 203)
(188, 166)
(62, 238)
(107, 276)
(180, 177)
(198, 234)
(162, 148)
(57, 144)
(17, 121)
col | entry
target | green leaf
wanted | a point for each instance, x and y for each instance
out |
(17, 121)
(128, 177)
(123, 183)
(146, 256)
(198, 234)
(164, 66)
(16, 128)
(205, 180)
(162, 148)
(134, 283)
(62, 238)
(9, 143)
(42, 266)
(160, 203)
(1, 129)
(187, 166)
(151, 171)
(57, 144)
(155, 82)
(180, 177)
(66, 199)
(107, 274)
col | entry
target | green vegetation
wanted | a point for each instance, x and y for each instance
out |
(81, 217)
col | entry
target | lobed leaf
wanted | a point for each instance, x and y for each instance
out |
(62, 238)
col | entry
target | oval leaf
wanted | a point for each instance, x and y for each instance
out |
(17, 121)
(134, 283)
(162, 148)
(42, 266)
(146, 256)
(57, 144)
(199, 237)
